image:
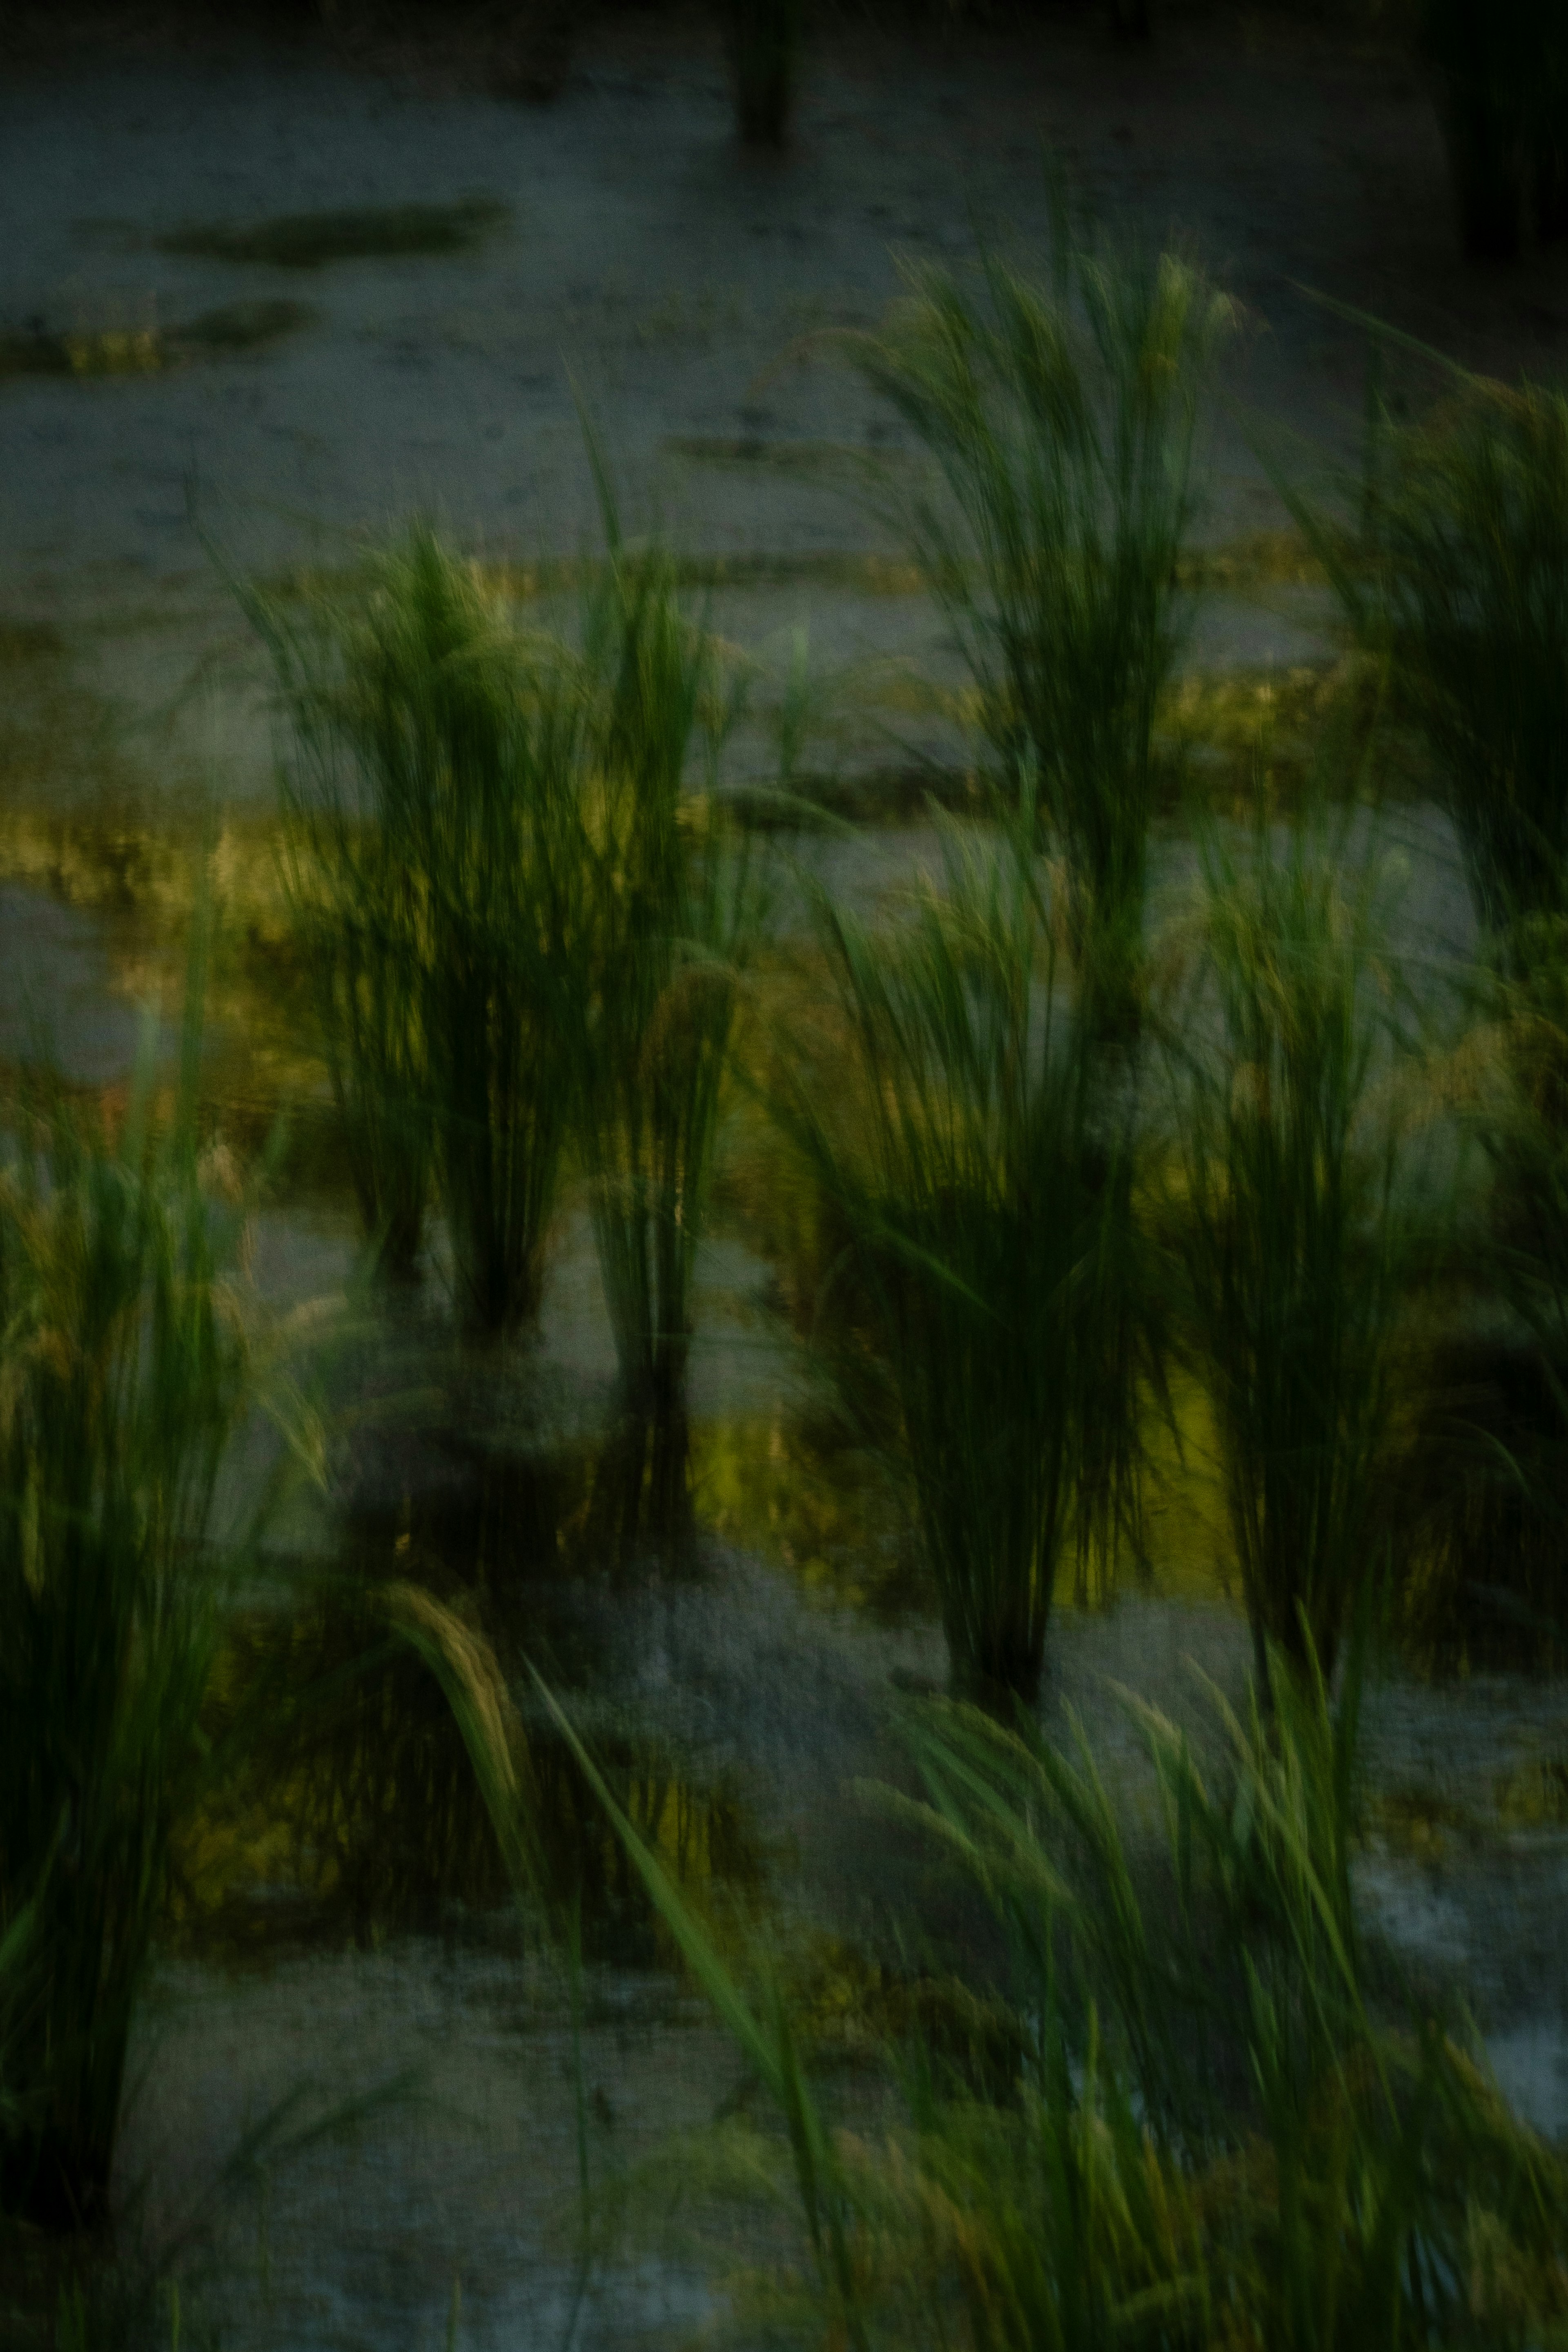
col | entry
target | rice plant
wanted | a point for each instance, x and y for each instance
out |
(1295, 1232)
(431, 825)
(356, 899)
(1325, 2165)
(1341, 2178)
(1469, 598)
(674, 913)
(1496, 1423)
(1059, 421)
(952, 1117)
(123, 1374)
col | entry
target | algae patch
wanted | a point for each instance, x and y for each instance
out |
(310, 240)
(235, 327)
(98, 352)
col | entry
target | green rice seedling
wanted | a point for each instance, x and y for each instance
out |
(432, 835)
(1346, 2180)
(675, 912)
(1294, 1234)
(1522, 1114)
(1335, 2165)
(1059, 421)
(123, 1375)
(1468, 598)
(1489, 1581)
(357, 908)
(954, 1120)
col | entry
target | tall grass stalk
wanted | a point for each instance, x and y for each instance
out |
(431, 827)
(1469, 598)
(123, 1376)
(954, 1120)
(1522, 1115)
(1059, 420)
(675, 911)
(1336, 2181)
(1331, 2166)
(354, 892)
(1496, 1439)
(1295, 1234)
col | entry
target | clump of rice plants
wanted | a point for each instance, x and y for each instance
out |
(1461, 587)
(954, 1118)
(1290, 1219)
(1496, 1424)
(1210, 2132)
(673, 913)
(1468, 597)
(431, 827)
(123, 1374)
(1302, 2169)
(1059, 421)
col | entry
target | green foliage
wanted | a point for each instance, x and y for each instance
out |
(433, 864)
(1213, 2138)
(1293, 1231)
(1060, 422)
(1522, 1115)
(1468, 596)
(1337, 2180)
(953, 1118)
(309, 240)
(675, 915)
(1491, 1458)
(123, 1373)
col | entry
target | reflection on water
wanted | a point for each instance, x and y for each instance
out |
(358, 1818)
(356, 1815)
(1530, 2062)
(795, 1489)
(99, 349)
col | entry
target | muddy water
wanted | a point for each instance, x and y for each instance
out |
(318, 1965)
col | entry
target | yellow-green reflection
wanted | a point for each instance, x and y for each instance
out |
(366, 231)
(1534, 1795)
(801, 1497)
(795, 1491)
(146, 347)
(358, 1816)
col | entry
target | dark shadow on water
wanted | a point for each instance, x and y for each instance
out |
(801, 1493)
(355, 1815)
(640, 1509)
(1484, 1582)
(358, 1817)
(42, 349)
(370, 232)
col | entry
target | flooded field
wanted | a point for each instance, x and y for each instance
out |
(257, 309)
